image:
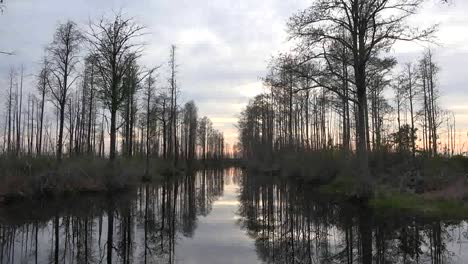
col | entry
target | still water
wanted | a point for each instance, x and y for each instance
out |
(222, 216)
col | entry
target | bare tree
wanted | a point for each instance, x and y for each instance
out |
(190, 130)
(114, 46)
(173, 148)
(149, 95)
(12, 76)
(64, 52)
(162, 110)
(431, 110)
(89, 102)
(130, 107)
(42, 84)
(19, 109)
(411, 79)
(363, 28)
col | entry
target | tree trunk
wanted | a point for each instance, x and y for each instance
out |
(10, 99)
(412, 133)
(60, 135)
(18, 119)
(361, 133)
(113, 134)
(39, 147)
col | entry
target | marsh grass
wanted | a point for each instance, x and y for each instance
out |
(338, 170)
(344, 185)
(28, 177)
(417, 204)
(390, 201)
(400, 182)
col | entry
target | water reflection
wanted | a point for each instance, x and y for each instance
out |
(141, 226)
(222, 217)
(290, 224)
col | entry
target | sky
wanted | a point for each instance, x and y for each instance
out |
(223, 47)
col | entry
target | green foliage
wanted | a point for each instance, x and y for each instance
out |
(343, 185)
(418, 204)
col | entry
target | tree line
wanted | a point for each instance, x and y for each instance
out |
(104, 103)
(331, 90)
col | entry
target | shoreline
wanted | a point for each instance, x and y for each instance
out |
(27, 178)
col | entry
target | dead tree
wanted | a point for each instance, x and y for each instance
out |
(42, 86)
(63, 52)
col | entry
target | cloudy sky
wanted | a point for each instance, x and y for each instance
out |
(223, 46)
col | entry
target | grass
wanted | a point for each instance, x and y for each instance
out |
(388, 201)
(343, 185)
(390, 193)
(416, 204)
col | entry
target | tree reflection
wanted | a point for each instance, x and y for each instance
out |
(287, 220)
(140, 226)
(291, 224)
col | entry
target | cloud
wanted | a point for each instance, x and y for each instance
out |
(223, 46)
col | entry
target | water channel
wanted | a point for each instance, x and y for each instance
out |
(222, 216)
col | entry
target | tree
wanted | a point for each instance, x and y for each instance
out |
(363, 28)
(203, 126)
(162, 109)
(91, 81)
(113, 43)
(410, 79)
(130, 109)
(42, 85)
(12, 76)
(190, 130)
(377, 81)
(431, 110)
(404, 138)
(63, 52)
(19, 111)
(173, 148)
(149, 95)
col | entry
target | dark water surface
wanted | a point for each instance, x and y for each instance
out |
(222, 217)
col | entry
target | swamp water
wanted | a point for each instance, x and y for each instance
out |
(222, 216)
